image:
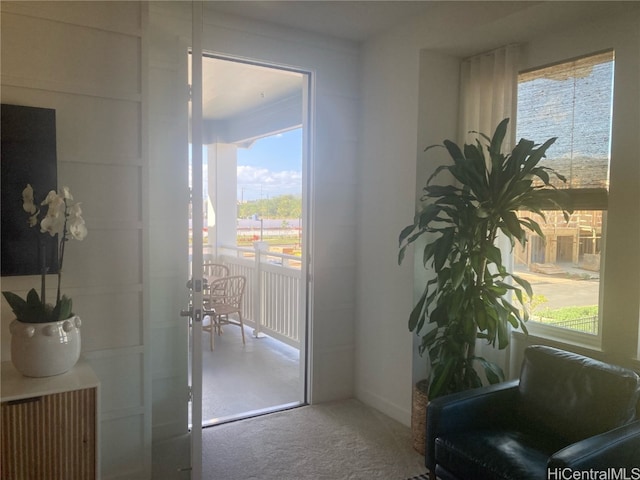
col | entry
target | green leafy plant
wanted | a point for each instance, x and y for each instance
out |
(469, 296)
(62, 218)
(33, 310)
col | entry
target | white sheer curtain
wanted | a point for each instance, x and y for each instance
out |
(488, 90)
(488, 94)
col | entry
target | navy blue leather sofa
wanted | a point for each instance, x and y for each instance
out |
(565, 413)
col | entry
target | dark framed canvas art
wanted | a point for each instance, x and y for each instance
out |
(27, 156)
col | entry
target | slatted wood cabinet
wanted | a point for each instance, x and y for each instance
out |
(48, 426)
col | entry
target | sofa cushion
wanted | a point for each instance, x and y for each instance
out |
(496, 454)
(573, 396)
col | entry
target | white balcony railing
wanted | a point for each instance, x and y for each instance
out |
(272, 302)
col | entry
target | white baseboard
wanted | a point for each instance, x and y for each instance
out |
(391, 409)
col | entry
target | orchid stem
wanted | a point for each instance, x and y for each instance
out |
(43, 276)
(63, 240)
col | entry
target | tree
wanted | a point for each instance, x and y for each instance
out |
(282, 206)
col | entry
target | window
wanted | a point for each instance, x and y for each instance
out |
(573, 102)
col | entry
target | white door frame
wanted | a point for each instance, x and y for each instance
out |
(305, 297)
(307, 222)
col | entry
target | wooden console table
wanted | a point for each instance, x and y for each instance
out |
(48, 426)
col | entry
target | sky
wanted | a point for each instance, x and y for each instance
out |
(271, 167)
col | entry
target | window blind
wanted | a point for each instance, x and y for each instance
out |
(572, 101)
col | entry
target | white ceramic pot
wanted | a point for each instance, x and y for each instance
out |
(45, 349)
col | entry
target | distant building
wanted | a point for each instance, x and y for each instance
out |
(577, 242)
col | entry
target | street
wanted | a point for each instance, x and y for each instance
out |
(562, 292)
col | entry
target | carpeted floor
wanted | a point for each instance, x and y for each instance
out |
(340, 440)
(344, 440)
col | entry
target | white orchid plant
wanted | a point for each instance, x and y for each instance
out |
(64, 218)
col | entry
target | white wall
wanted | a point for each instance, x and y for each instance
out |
(398, 117)
(409, 101)
(85, 60)
(386, 199)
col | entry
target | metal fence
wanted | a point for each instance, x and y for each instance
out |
(585, 324)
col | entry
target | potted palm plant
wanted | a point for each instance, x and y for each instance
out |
(468, 296)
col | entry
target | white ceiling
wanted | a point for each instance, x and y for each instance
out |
(345, 19)
(232, 88)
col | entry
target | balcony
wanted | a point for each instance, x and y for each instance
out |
(242, 381)
(265, 373)
(273, 299)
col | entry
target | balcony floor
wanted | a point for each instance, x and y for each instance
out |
(244, 380)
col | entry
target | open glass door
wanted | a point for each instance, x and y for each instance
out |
(256, 173)
(170, 39)
(196, 245)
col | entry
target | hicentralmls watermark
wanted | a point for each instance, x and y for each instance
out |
(593, 474)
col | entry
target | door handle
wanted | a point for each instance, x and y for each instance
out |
(200, 284)
(195, 315)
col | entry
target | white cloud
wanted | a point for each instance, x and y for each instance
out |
(258, 182)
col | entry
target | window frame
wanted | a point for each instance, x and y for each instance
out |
(582, 199)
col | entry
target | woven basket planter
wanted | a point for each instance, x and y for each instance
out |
(419, 415)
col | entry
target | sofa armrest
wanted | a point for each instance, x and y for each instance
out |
(468, 410)
(617, 448)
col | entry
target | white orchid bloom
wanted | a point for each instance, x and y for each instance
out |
(27, 201)
(75, 222)
(53, 222)
(52, 197)
(62, 218)
(66, 193)
(56, 206)
(52, 225)
(77, 228)
(75, 210)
